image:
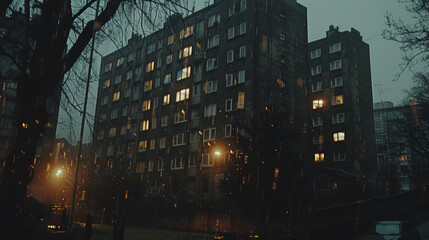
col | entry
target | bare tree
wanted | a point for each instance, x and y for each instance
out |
(50, 43)
(412, 36)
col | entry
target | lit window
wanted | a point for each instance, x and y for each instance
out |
(142, 145)
(242, 52)
(179, 139)
(206, 160)
(187, 51)
(180, 116)
(213, 19)
(231, 32)
(170, 39)
(336, 100)
(211, 64)
(316, 70)
(335, 47)
(316, 87)
(162, 142)
(339, 156)
(106, 83)
(166, 99)
(228, 105)
(182, 95)
(144, 125)
(169, 59)
(152, 144)
(337, 82)
(146, 105)
(243, 28)
(186, 32)
(240, 102)
(403, 158)
(319, 157)
(150, 66)
(229, 56)
(338, 118)
(318, 103)
(183, 73)
(317, 121)
(316, 53)
(210, 110)
(116, 96)
(210, 87)
(339, 136)
(213, 41)
(167, 78)
(164, 120)
(147, 86)
(209, 134)
(228, 130)
(112, 132)
(334, 65)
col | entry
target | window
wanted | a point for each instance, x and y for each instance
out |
(230, 56)
(183, 73)
(147, 86)
(129, 75)
(206, 160)
(154, 122)
(196, 90)
(194, 137)
(237, 7)
(150, 166)
(104, 100)
(150, 66)
(210, 110)
(187, 51)
(228, 105)
(116, 96)
(336, 47)
(316, 70)
(213, 41)
(229, 80)
(338, 118)
(169, 59)
(110, 150)
(136, 93)
(112, 132)
(316, 53)
(176, 163)
(130, 57)
(192, 160)
(167, 78)
(336, 82)
(339, 136)
(106, 83)
(241, 76)
(157, 82)
(243, 5)
(170, 39)
(336, 100)
(180, 116)
(242, 28)
(152, 144)
(158, 62)
(317, 121)
(186, 32)
(155, 102)
(228, 130)
(162, 142)
(144, 125)
(231, 32)
(127, 92)
(210, 87)
(166, 99)
(195, 113)
(160, 165)
(282, 36)
(102, 117)
(182, 95)
(114, 114)
(318, 139)
(179, 139)
(164, 120)
(108, 67)
(211, 64)
(319, 157)
(242, 52)
(213, 19)
(200, 29)
(142, 145)
(316, 87)
(209, 134)
(334, 65)
(123, 130)
(146, 105)
(151, 48)
(100, 135)
(339, 156)
(318, 103)
(240, 102)
(403, 158)
(118, 79)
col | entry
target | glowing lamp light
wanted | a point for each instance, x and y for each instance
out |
(59, 172)
(217, 153)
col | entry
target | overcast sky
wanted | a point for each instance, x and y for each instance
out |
(366, 16)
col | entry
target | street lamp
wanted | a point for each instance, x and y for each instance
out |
(59, 173)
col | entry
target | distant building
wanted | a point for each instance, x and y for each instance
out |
(342, 124)
(174, 108)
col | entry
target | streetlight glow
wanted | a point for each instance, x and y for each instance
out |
(217, 153)
(59, 171)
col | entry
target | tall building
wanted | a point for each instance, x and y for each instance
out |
(342, 123)
(175, 108)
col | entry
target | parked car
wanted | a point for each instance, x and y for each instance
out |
(391, 230)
